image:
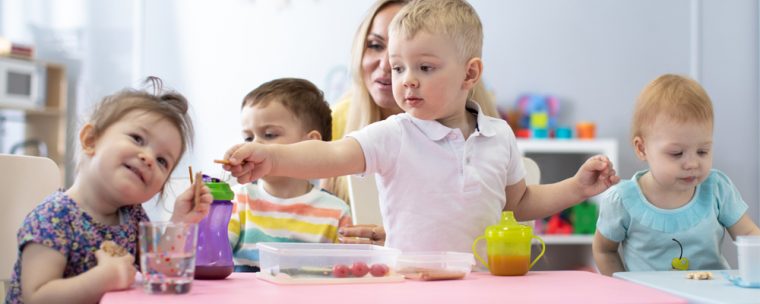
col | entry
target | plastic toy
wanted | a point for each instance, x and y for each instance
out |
(585, 130)
(538, 113)
(584, 217)
(558, 225)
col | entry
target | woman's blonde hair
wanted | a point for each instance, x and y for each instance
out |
(676, 97)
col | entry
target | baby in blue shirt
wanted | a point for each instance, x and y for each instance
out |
(673, 215)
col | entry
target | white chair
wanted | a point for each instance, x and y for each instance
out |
(365, 203)
(24, 182)
(365, 206)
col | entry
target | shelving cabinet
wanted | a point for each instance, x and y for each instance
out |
(559, 159)
(45, 123)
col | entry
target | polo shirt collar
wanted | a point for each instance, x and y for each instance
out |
(436, 131)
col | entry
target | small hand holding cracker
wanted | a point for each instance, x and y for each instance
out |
(118, 264)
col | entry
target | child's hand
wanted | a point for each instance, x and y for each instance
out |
(596, 175)
(121, 269)
(187, 210)
(362, 234)
(248, 162)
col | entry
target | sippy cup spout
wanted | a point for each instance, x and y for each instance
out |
(508, 218)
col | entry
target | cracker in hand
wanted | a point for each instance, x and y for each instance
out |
(113, 249)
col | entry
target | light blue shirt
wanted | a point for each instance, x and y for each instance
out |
(646, 232)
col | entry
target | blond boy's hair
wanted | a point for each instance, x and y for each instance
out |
(455, 19)
(676, 97)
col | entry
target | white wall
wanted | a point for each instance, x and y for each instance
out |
(595, 55)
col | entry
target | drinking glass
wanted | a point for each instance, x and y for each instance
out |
(167, 256)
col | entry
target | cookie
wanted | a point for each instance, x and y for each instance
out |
(702, 275)
(113, 249)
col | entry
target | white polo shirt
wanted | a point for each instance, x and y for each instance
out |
(439, 192)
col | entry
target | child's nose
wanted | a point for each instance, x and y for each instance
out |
(146, 159)
(691, 163)
(410, 82)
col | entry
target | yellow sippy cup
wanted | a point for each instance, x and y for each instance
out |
(508, 247)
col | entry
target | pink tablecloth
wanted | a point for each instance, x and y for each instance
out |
(477, 288)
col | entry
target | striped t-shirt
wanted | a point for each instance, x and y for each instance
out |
(260, 217)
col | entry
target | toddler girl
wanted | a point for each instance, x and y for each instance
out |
(673, 215)
(130, 146)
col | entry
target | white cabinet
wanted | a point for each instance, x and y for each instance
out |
(559, 159)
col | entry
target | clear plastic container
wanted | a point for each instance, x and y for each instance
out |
(326, 261)
(435, 265)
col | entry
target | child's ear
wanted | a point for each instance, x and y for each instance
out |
(314, 134)
(639, 148)
(473, 73)
(87, 139)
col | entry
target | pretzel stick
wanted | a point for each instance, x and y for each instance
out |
(222, 161)
(197, 188)
(190, 168)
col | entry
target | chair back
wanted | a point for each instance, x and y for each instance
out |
(365, 202)
(532, 172)
(24, 182)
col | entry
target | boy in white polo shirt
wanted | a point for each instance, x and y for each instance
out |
(444, 170)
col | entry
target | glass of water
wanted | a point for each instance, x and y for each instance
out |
(167, 256)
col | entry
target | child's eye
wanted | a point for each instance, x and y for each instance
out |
(676, 154)
(426, 68)
(270, 135)
(164, 163)
(703, 153)
(397, 69)
(137, 138)
(248, 138)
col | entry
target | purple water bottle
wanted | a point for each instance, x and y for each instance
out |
(213, 260)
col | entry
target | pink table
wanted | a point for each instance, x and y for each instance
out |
(477, 288)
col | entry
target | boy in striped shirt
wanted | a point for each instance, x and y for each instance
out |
(283, 209)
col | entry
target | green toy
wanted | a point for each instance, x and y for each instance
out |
(584, 218)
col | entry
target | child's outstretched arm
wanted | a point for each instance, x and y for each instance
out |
(42, 276)
(745, 226)
(186, 209)
(539, 201)
(305, 159)
(606, 255)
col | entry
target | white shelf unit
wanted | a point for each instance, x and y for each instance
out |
(559, 159)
